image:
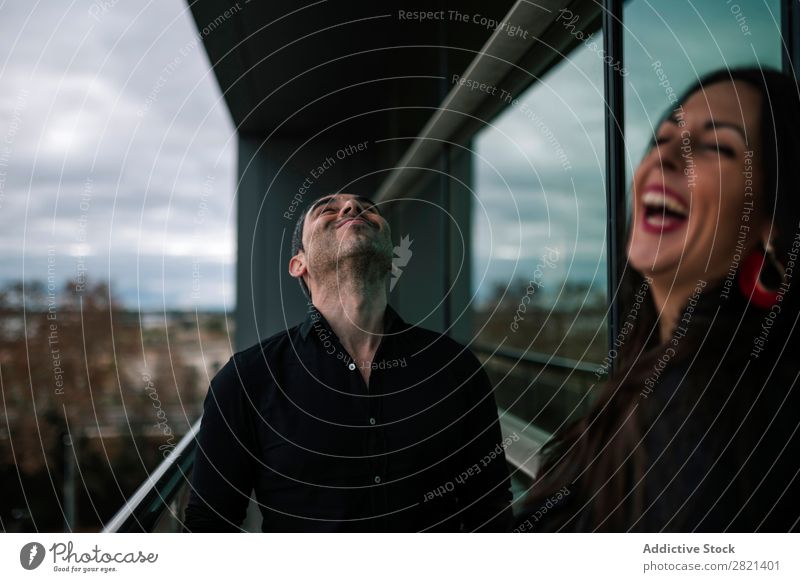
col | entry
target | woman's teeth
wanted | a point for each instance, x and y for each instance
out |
(661, 204)
(663, 213)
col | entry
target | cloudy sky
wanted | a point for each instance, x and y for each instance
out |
(117, 152)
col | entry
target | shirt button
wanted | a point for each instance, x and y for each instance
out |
(372, 421)
(352, 366)
(377, 479)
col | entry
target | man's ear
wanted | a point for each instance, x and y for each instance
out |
(297, 265)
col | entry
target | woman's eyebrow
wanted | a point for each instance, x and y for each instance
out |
(671, 120)
(714, 124)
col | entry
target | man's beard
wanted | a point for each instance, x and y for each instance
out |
(364, 261)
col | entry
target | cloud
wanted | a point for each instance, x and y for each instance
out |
(118, 149)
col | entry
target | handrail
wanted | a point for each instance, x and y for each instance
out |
(524, 452)
(537, 358)
(143, 509)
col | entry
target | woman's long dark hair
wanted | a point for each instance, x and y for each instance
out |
(738, 453)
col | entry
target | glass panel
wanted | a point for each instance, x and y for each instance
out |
(539, 266)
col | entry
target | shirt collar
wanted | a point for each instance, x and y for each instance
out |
(391, 321)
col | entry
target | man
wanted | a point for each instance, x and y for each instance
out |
(352, 420)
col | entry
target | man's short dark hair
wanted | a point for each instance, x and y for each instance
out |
(297, 240)
(297, 235)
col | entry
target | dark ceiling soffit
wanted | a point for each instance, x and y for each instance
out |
(231, 36)
(510, 63)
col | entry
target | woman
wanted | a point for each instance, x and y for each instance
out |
(696, 430)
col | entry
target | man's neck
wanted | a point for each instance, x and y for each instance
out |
(355, 311)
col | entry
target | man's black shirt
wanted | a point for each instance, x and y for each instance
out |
(291, 417)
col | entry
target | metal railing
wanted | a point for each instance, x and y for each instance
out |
(536, 358)
(159, 492)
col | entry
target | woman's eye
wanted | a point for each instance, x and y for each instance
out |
(726, 151)
(661, 140)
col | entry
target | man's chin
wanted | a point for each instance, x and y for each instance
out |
(365, 258)
(364, 247)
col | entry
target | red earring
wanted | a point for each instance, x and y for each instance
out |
(750, 283)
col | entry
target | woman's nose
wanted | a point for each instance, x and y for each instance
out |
(668, 155)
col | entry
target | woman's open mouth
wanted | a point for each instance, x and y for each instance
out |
(663, 210)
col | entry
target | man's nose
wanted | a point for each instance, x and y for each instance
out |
(352, 206)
